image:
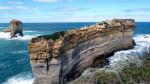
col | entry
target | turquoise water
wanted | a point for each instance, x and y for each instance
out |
(14, 57)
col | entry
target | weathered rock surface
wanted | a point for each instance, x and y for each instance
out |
(63, 56)
(15, 27)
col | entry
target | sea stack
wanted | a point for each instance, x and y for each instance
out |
(16, 27)
(61, 57)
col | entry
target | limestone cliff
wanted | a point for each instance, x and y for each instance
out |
(63, 56)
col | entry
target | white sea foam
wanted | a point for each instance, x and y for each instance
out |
(122, 58)
(6, 36)
(20, 79)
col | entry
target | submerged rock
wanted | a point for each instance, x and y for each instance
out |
(63, 56)
(16, 27)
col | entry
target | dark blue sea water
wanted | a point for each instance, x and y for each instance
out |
(14, 57)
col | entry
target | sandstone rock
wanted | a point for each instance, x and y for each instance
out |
(15, 27)
(63, 56)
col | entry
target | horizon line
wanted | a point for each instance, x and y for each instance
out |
(67, 22)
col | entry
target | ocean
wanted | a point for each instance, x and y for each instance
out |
(14, 57)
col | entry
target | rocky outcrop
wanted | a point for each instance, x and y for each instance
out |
(63, 56)
(15, 27)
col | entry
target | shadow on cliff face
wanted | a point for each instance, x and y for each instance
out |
(103, 60)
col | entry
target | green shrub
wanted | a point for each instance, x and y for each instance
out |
(80, 80)
(138, 74)
(105, 77)
(53, 36)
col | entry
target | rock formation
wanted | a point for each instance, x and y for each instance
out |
(63, 56)
(15, 27)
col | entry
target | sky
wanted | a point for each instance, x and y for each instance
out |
(73, 10)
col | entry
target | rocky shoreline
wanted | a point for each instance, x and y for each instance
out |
(63, 56)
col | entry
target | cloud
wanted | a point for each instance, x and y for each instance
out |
(69, 9)
(25, 8)
(138, 10)
(16, 2)
(5, 8)
(50, 1)
(22, 7)
(17, 10)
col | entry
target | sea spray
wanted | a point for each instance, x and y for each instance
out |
(123, 58)
(6, 36)
(21, 79)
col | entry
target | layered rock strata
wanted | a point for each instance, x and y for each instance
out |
(63, 56)
(15, 27)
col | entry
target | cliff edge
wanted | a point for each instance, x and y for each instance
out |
(63, 56)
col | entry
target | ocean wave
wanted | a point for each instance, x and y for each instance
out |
(21, 60)
(20, 79)
(3, 65)
(7, 36)
(29, 31)
(122, 58)
(2, 27)
(19, 52)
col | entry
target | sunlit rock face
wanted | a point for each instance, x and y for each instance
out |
(63, 56)
(16, 27)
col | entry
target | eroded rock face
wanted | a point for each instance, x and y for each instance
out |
(63, 56)
(15, 27)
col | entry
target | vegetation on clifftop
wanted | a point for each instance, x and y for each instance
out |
(54, 36)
